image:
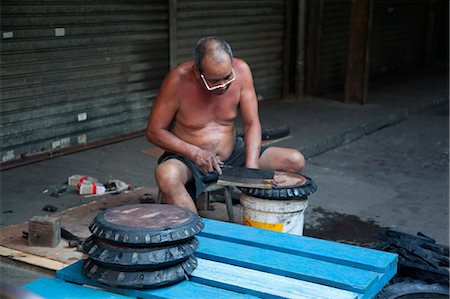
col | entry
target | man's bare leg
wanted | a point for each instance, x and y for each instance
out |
(282, 159)
(171, 176)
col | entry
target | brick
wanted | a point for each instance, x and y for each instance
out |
(44, 231)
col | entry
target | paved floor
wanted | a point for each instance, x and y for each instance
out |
(384, 164)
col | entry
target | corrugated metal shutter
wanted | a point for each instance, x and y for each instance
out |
(334, 47)
(107, 68)
(254, 29)
(397, 39)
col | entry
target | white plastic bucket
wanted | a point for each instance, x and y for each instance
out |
(285, 216)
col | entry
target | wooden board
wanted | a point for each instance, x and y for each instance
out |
(32, 259)
(76, 220)
(262, 284)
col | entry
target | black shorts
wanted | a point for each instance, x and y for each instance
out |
(201, 180)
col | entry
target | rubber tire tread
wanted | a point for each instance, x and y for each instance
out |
(140, 279)
(138, 258)
(269, 133)
(300, 192)
(412, 287)
(102, 229)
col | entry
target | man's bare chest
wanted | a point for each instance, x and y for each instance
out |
(199, 111)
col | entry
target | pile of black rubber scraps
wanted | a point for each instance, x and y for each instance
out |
(419, 256)
(142, 246)
(423, 266)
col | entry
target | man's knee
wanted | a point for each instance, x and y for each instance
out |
(168, 176)
(284, 159)
(296, 162)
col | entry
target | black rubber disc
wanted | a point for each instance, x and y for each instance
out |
(145, 224)
(126, 258)
(269, 133)
(140, 279)
(305, 187)
(414, 289)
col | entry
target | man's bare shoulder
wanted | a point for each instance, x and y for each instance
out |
(181, 71)
(244, 72)
(241, 66)
(238, 62)
(175, 79)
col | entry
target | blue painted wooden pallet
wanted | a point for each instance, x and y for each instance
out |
(236, 261)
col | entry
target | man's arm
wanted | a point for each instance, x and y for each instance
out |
(250, 117)
(161, 116)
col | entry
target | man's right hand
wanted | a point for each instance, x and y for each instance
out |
(208, 162)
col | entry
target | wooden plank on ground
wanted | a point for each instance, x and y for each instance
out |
(32, 259)
(55, 288)
(333, 252)
(261, 284)
(184, 289)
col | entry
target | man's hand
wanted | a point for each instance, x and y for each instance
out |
(208, 162)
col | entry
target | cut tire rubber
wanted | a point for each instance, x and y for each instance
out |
(140, 279)
(269, 133)
(414, 288)
(299, 192)
(145, 224)
(126, 258)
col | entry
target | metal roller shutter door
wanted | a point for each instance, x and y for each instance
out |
(254, 29)
(94, 81)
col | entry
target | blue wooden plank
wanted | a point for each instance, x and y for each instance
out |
(55, 288)
(280, 263)
(184, 289)
(384, 279)
(332, 252)
(262, 284)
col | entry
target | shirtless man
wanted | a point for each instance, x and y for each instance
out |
(193, 121)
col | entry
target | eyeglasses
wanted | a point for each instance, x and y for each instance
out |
(223, 85)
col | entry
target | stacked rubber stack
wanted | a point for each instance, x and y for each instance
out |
(142, 246)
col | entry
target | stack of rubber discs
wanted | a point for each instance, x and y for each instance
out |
(142, 246)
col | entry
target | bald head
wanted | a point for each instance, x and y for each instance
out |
(212, 49)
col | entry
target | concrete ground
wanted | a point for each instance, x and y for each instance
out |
(381, 165)
(396, 177)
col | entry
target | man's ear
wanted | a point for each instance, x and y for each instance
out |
(196, 70)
